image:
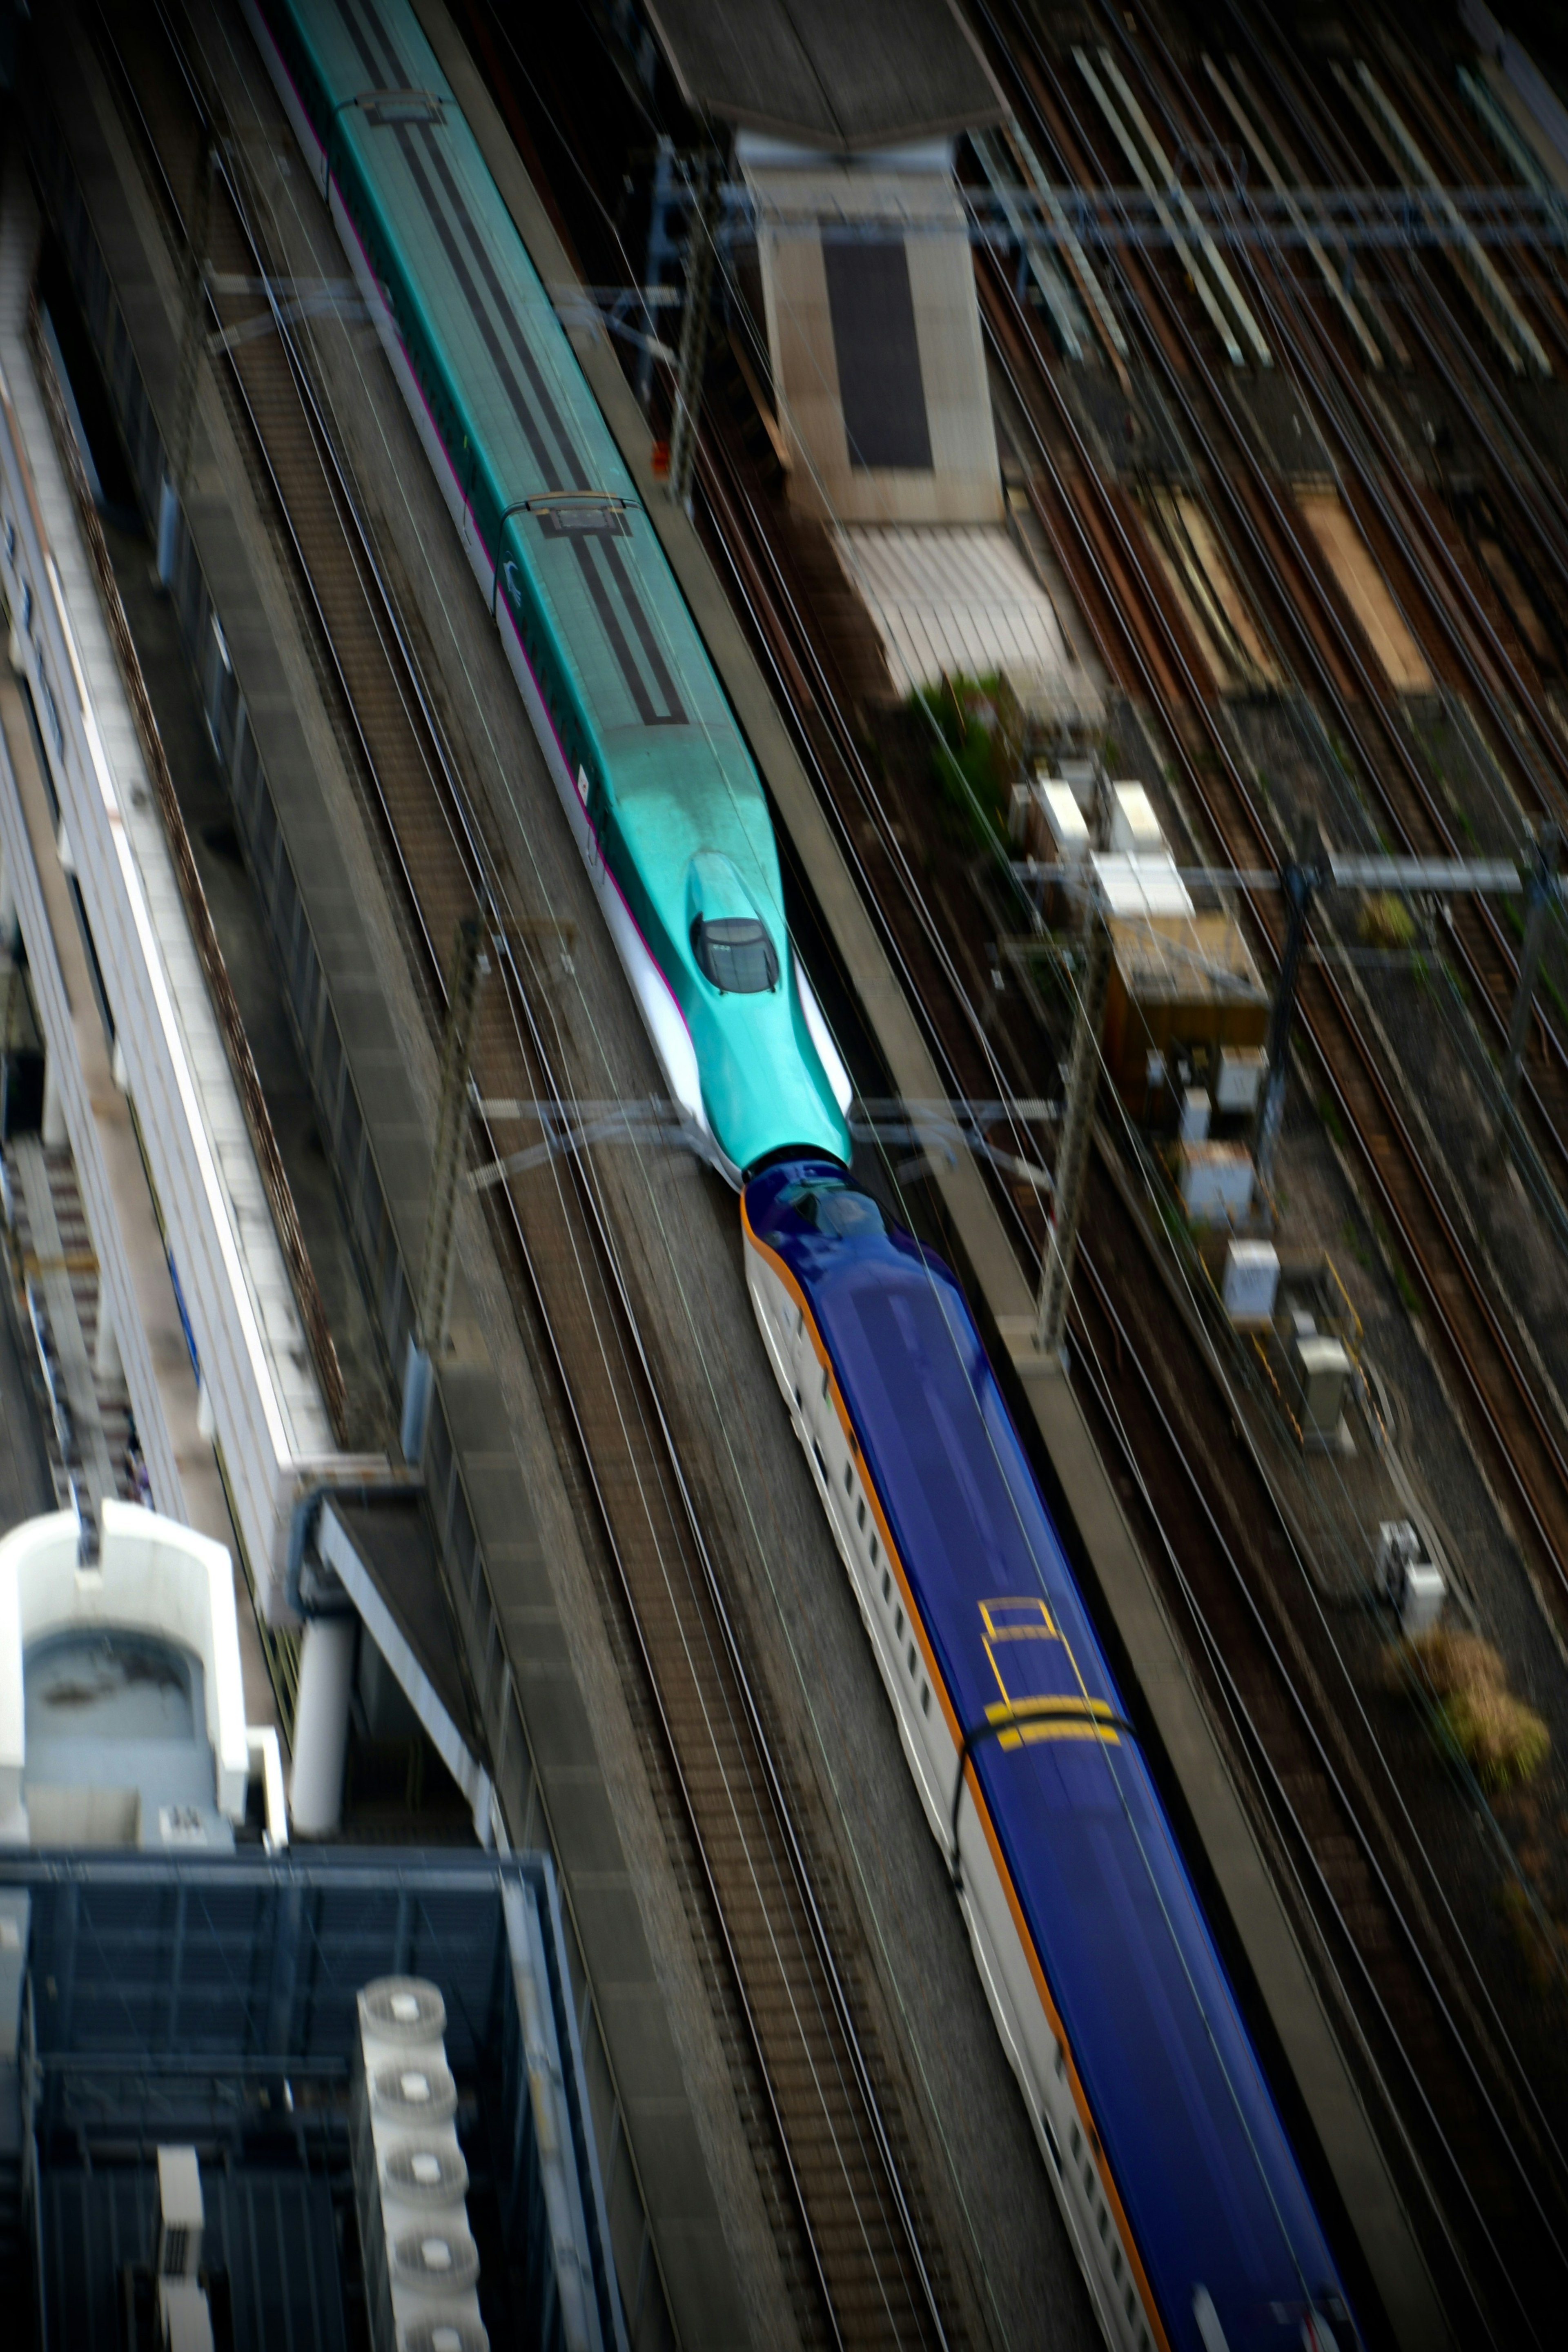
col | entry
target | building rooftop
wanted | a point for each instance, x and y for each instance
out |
(882, 73)
(211, 2004)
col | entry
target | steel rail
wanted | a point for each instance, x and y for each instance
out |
(482, 879)
(789, 658)
(1544, 1493)
(1220, 1658)
(1314, 1027)
(1325, 1010)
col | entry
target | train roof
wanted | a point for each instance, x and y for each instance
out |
(641, 708)
(1153, 2025)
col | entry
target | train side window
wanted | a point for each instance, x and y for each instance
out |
(1104, 2222)
(1142, 2339)
(925, 1704)
(848, 1477)
(799, 1321)
(1061, 2069)
(1089, 2185)
(1130, 2303)
(1051, 2141)
(874, 1563)
(860, 1514)
(887, 1580)
(910, 1661)
(827, 1383)
(899, 1623)
(821, 1465)
(1077, 2142)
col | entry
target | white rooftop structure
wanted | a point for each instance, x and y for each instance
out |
(161, 1114)
(957, 601)
(1135, 885)
(122, 1705)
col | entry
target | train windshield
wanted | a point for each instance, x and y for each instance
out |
(835, 1209)
(735, 953)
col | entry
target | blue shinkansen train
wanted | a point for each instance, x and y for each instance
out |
(655, 780)
(1180, 2190)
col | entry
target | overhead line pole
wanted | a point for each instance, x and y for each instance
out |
(428, 1338)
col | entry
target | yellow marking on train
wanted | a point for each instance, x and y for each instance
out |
(1034, 1625)
(1055, 1718)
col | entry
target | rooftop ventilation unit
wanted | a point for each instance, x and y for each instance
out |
(421, 2264)
(181, 2216)
(185, 2320)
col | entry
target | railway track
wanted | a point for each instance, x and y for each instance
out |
(830, 2148)
(1456, 2112)
(1274, 555)
(1515, 1432)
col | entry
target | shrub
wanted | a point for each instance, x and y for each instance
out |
(1502, 1741)
(979, 755)
(1477, 1717)
(1386, 921)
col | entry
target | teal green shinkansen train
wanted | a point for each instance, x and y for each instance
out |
(656, 783)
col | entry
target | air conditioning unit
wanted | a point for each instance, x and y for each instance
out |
(1215, 1183)
(1413, 1584)
(1239, 1079)
(421, 2264)
(1196, 1110)
(181, 2216)
(184, 2316)
(1251, 1282)
(1134, 827)
(1322, 1369)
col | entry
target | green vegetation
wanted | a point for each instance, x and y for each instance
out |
(1386, 921)
(1477, 1718)
(1409, 1297)
(1542, 1943)
(978, 757)
(1334, 1124)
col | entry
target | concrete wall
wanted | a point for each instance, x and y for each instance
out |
(964, 483)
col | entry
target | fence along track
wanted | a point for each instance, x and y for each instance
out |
(824, 2091)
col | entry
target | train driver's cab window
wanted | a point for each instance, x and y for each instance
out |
(735, 953)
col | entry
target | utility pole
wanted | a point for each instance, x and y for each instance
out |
(1299, 881)
(659, 251)
(1077, 1114)
(707, 185)
(1544, 889)
(428, 1338)
(176, 481)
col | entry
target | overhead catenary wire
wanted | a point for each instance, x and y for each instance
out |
(473, 853)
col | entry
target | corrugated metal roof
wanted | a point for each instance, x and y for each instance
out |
(950, 602)
(878, 73)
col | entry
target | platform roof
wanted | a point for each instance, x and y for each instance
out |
(882, 73)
